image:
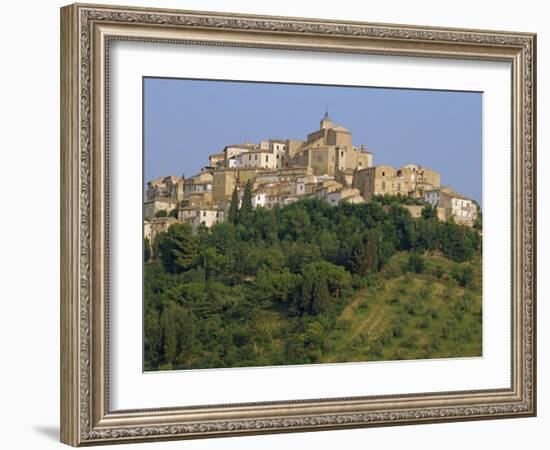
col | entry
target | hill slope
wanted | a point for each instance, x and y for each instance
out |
(410, 316)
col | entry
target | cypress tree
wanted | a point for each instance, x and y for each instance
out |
(246, 206)
(233, 216)
(169, 346)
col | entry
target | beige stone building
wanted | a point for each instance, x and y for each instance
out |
(306, 185)
(462, 209)
(275, 195)
(199, 198)
(195, 216)
(171, 186)
(261, 159)
(224, 181)
(419, 178)
(217, 160)
(232, 151)
(350, 195)
(325, 187)
(326, 165)
(198, 184)
(152, 207)
(329, 150)
(416, 212)
(409, 180)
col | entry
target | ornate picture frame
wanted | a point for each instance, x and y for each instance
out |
(87, 32)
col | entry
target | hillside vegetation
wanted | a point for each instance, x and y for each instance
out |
(310, 283)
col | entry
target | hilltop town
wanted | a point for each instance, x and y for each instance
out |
(326, 166)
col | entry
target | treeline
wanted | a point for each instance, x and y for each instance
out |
(214, 299)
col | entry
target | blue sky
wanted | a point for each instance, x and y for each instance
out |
(186, 120)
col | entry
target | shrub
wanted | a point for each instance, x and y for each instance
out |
(432, 312)
(394, 301)
(463, 275)
(397, 328)
(417, 264)
(423, 323)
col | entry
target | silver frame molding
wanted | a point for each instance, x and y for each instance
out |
(86, 32)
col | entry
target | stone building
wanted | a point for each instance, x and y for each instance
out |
(409, 180)
(224, 181)
(462, 209)
(152, 207)
(329, 150)
(262, 159)
(196, 216)
(217, 160)
(416, 212)
(200, 183)
(171, 186)
(325, 187)
(419, 179)
(350, 195)
(231, 151)
(326, 166)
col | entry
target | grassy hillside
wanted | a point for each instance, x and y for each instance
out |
(409, 316)
(399, 315)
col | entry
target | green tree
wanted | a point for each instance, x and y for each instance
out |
(277, 286)
(233, 215)
(173, 213)
(294, 223)
(371, 254)
(417, 264)
(178, 248)
(246, 211)
(151, 338)
(146, 250)
(478, 223)
(310, 289)
(459, 242)
(429, 212)
(322, 283)
(169, 340)
(157, 243)
(405, 231)
(464, 275)
(161, 213)
(186, 337)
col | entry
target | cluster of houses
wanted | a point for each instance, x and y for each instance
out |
(326, 165)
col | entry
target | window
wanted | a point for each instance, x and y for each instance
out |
(249, 157)
(255, 157)
(266, 158)
(204, 213)
(342, 153)
(383, 174)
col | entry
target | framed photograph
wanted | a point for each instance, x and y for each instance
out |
(276, 224)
